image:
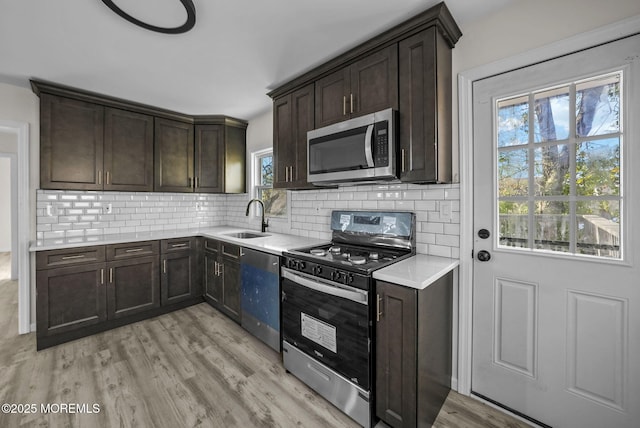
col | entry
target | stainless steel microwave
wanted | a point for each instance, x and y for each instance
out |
(359, 149)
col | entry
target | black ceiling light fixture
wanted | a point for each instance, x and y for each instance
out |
(188, 25)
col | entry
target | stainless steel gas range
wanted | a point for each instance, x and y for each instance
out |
(327, 316)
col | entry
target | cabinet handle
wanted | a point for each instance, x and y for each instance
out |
(100, 177)
(107, 179)
(378, 304)
(402, 160)
(81, 256)
(344, 105)
(133, 250)
(286, 174)
(191, 182)
(351, 102)
(101, 276)
(197, 180)
(178, 245)
(164, 266)
(110, 275)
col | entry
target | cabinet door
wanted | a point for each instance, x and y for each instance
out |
(283, 146)
(303, 121)
(128, 151)
(178, 277)
(69, 298)
(209, 158)
(396, 355)
(134, 286)
(212, 281)
(231, 288)
(332, 98)
(374, 82)
(235, 159)
(173, 156)
(293, 117)
(71, 144)
(425, 108)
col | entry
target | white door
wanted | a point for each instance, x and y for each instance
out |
(556, 316)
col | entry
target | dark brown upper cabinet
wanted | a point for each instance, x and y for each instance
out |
(212, 163)
(173, 156)
(366, 86)
(71, 144)
(425, 108)
(292, 118)
(91, 141)
(85, 146)
(128, 151)
(408, 68)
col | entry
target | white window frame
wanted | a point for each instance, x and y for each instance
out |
(256, 186)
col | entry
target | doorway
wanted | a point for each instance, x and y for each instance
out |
(8, 206)
(21, 229)
(555, 319)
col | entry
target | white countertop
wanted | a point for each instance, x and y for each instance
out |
(274, 243)
(418, 271)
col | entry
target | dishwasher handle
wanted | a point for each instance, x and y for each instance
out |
(350, 293)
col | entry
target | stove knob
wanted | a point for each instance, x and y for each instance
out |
(336, 275)
(317, 270)
(301, 265)
(348, 279)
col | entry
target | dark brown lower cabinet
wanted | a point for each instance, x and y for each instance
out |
(212, 283)
(180, 279)
(70, 298)
(413, 352)
(222, 277)
(82, 291)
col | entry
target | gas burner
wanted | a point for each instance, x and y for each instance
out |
(335, 250)
(358, 260)
(318, 252)
(374, 256)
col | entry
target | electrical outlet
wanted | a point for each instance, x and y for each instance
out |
(108, 209)
(52, 210)
(445, 210)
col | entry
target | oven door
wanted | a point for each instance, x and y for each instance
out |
(329, 322)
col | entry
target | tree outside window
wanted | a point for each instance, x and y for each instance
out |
(275, 200)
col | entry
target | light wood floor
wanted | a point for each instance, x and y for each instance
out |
(190, 368)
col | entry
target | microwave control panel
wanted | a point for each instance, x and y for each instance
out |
(381, 144)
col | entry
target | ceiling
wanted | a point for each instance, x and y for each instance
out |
(237, 51)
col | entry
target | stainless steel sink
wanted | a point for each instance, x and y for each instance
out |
(246, 235)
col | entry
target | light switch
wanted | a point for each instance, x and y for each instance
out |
(445, 210)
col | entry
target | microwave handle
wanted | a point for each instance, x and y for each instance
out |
(368, 146)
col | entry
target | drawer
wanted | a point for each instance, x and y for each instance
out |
(69, 257)
(211, 245)
(230, 250)
(132, 249)
(178, 244)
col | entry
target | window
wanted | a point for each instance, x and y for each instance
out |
(275, 200)
(559, 168)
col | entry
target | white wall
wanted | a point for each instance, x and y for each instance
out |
(5, 204)
(526, 25)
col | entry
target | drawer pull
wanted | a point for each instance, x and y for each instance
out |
(101, 276)
(133, 250)
(110, 275)
(178, 245)
(80, 256)
(378, 311)
(164, 266)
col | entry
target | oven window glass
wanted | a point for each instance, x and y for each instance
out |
(338, 152)
(333, 330)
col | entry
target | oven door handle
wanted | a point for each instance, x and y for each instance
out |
(368, 146)
(355, 296)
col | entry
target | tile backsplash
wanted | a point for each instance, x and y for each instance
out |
(66, 214)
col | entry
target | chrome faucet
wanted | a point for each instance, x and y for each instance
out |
(264, 223)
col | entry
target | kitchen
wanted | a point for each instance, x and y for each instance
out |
(313, 208)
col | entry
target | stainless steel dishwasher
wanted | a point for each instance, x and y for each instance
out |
(260, 278)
